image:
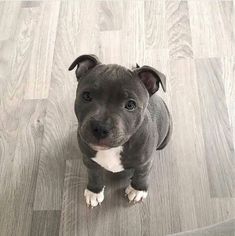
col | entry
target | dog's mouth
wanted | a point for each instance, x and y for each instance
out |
(99, 148)
(98, 145)
(102, 144)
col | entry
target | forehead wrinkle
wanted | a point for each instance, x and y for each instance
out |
(113, 71)
(123, 73)
(104, 73)
(112, 78)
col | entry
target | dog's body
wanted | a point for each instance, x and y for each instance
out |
(120, 123)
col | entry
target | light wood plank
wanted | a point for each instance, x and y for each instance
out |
(190, 161)
(133, 33)
(216, 127)
(74, 183)
(178, 30)
(228, 65)
(197, 209)
(125, 41)
(41, 56)
(224, 209)
(14, 57)
(45, 223)
(226, 228)
(111, 52)
(110, 15)
(155, 25)
(30, 4)
(163, 210)
(9, 13)
(212, 32)
(18, 155)
(18, 180)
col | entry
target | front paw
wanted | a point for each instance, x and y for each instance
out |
(135, 195)
(93, 199)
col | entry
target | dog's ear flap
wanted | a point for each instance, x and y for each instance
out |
(151, 78)
(84, 63)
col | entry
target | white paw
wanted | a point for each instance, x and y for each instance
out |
(135, 195)
(93, 199)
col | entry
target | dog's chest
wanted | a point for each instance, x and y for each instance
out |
(110, 159)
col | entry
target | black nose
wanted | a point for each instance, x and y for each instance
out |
(99, 129)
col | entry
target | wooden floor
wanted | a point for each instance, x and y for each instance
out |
(42, 178)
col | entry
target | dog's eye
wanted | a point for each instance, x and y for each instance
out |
(86, 96)
(130, 105)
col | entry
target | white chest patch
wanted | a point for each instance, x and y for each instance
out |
(110, 159)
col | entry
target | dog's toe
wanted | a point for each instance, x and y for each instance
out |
(128, 189)
(93, 199)
(135, 195)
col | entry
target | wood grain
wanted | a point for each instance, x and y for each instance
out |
(179, 31)
(14, 59)
(20, 133)
(155, 25)
(226, 228)
(10, 12)
(18, 178)
(189, 157)
(110, 15)
(228, 68)
(42, 51)
(213, 31)
(216, 128)
(74, 183)
(110, 53)
(133, 33)
(45, 223)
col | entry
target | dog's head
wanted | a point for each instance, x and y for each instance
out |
(111, 100)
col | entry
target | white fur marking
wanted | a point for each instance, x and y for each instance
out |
(93, 199)
(135, 195)
(110, 159)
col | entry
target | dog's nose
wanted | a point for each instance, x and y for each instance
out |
(100, 130)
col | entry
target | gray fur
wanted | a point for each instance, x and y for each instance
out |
(140, 132)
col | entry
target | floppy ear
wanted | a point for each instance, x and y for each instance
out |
(151, 78)
(84, 63)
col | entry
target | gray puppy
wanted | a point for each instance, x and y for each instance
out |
(120, 123)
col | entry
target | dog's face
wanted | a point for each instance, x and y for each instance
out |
(110, 105)
(111, 101)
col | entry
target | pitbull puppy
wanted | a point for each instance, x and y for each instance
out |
(120, 123)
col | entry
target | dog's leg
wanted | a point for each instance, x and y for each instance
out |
(138, 189)
(94, 193)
